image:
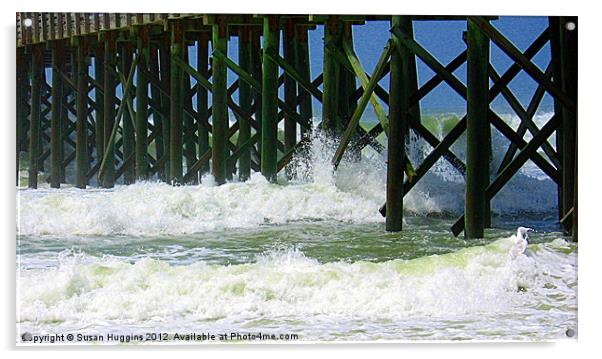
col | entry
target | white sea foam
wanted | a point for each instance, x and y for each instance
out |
(353, 193)
(154, 208)
(286, 284)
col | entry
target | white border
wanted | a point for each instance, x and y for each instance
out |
(589, 133)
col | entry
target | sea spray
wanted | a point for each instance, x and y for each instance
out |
(284, 283)
(353, 193)
(155, 208)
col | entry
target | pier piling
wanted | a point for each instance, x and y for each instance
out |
(219, 104)
(36, 102)
(142, 104)
(245, 101)
(269, 117)
(107, 178)
(332, 40)
(203, 99)
(477, 126)
(399, 109)
(127, 134)
(56, 119)
(175, 104)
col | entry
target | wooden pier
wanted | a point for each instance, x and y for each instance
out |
(119, 101)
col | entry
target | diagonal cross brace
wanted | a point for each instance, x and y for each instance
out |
(509, 171)
(363, 102)
(118, 117)
(505, 45)
(444, 74)
(526, 117)
(460, 88)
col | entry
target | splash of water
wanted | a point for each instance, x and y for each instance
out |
(285, 283)
(315, 191)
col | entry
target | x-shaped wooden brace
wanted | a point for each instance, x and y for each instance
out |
(460, 88)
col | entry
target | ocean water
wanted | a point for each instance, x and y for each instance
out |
(307, 256)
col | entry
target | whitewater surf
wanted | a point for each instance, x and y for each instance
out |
(307, 256)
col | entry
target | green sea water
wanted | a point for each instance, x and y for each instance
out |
(320, 280)
(307, 256)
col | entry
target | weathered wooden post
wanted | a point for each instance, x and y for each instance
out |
(269, 125)
(303, 66)
(575, 226)
(332, 34)
(399, 106)
(554, 29)
(108, 175)
(347, 86)
(129, 146)
(175, 105)
(157, 109)
(56, 120)
(290, 87)
(568, 60)
(188, 129)
(245, 102)
(203, 98)
(477, 125)
(22, 103)
(99, 100)
(37, 66)
(81, 148)
(220, 105)
(345, 79)
(44, 121)
(165, 70)
(256, 64)
(142, 104)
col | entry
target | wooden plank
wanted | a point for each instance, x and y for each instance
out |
(87, 23)
(35, 17)
(60, 25)
(78, 23)
(96, 22)
(106, 21)
(69, 24)
(52, 26)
